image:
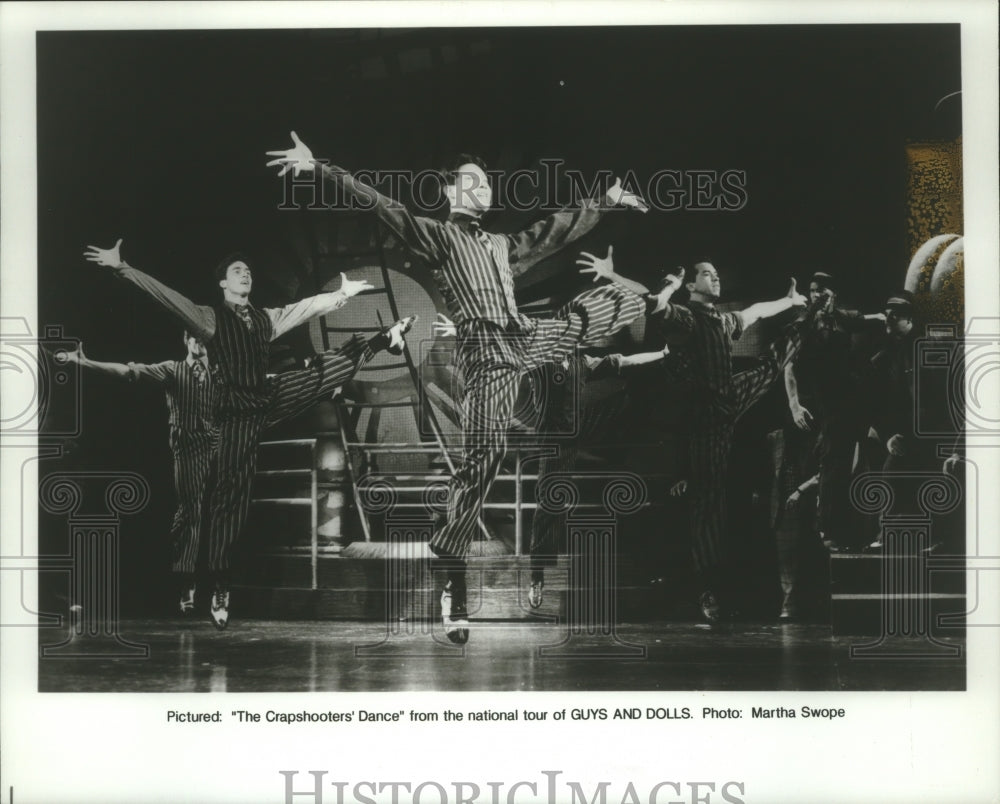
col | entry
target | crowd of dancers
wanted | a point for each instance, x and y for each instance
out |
(220, 397)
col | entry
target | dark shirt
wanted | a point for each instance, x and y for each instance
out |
(474, 270)
(701, 347)
(189, 400)
(825, 367)
(893, 389)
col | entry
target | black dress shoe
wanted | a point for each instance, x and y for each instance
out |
(454, 615)
(710, 608)
(394, 334)
(220, 608)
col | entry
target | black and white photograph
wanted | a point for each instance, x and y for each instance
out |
(411, 356)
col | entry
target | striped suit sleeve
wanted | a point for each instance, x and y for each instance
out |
(676, 320)
(531, 246)
(158, 373)
(733, 324)
(421, 236)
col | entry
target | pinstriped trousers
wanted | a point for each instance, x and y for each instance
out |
(492, 361)
(288, 394)
(708, 460)
(193, 451)
(708, 451)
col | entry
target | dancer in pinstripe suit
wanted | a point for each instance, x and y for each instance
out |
(239, 337)
(702, 337)
(188, 387)
(475, 271)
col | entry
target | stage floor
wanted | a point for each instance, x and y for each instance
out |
(283, 656)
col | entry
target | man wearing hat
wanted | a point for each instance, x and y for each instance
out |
(239, 336)
(896, 406)
(894, 411)
(824, 385)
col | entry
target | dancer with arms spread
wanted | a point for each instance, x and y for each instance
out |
(701, 338)
(238, 336)
(475, 271)
(188, 387)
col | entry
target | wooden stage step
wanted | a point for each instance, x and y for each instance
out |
(871, 594)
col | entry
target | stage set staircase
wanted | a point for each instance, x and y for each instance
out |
(913, 585)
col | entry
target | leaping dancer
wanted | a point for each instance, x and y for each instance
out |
(239, 336)
(475, 271)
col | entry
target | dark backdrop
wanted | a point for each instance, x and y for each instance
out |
(159, 137)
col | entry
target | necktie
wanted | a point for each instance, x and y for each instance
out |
(243, 311)
(199, 371)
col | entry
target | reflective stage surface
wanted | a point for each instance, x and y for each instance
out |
(164, 655)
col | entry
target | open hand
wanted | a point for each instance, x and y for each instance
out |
(601, 268)
(793, 499)
(679, 488)
(297, 158)
(352, 287)
(798, 300)
(445, 328)
(65, 356)
(109, 257)
(896, 445)
(672, 282)
(619, 197)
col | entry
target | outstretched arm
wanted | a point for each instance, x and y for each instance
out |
(416, 233)
(550, 234)
(755, 312)
(199, 319)
(675, 320)
(615, 365)
(158, 373)
(604, 268)
(291, 315)
(854, 322)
